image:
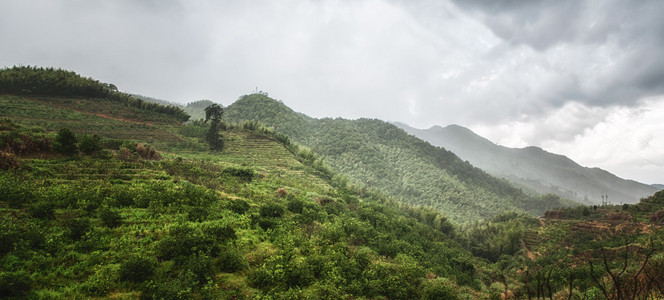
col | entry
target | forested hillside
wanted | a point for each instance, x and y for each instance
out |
(535, 169)
(384, 157)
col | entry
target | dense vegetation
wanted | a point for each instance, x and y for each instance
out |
(382, 156)
(36, 81)
(87, 213)
(80, 225)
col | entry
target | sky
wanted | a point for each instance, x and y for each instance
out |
(582, 78)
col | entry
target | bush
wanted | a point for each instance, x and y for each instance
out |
(272, 210)
(240, 173)
(65, 142)
(238, 206)
(267, 223)
(197, 214)
(657, 217)
(295, 205)
(184, 240)
(8, 161)
(14, 284)
(231, 260)
(15, 191)
(78, 228)
(437, 289)
(110, 218)
(137, 269)
(220, 232)
(90, 144)
(43, 210)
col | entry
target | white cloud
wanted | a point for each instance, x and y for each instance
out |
(621, 139)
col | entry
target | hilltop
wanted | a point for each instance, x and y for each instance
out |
(533, 168)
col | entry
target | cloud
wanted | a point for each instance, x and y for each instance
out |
(621, 139)
(610, 48)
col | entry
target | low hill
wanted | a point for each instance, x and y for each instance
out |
(533, 168)
(384, 157)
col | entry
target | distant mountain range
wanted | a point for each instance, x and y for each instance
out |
(535, 169)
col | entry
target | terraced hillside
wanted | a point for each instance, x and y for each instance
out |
(82, 115)
(260, 219)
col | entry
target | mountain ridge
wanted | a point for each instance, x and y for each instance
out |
(534, 168)
(383, 156)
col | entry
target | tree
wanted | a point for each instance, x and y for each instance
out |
(90, 144)
(213, 114)
(65, 142)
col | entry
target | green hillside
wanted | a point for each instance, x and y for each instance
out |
(384, 157)
(115, 217)
(102, 199)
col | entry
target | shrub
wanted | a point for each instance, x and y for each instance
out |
(295, 206)
(240, 173)
(137, 269)
(43, 210)
(197, 214)
(78, 228)
(147, 152)
(620, 216)
(272, 210)
(65, 142)
(110, 218)
(8, 161)
(170, 288)
(101, 283)
(231, 260)
(657, 217)
(14, 284)
(220, 232)
(238, 206)
(438, 289)
(267, 223)
(90, 144)
(586, 211)
(15, 191)
(183, 240)
(9, 236)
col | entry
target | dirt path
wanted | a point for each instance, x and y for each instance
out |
(529, 253)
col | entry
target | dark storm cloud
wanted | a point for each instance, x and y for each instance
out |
(630, 28)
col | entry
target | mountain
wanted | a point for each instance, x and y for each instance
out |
(533, 168)
(382, 156)
(196, 109)
(658, 186)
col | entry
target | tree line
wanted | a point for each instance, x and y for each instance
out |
(39, 81)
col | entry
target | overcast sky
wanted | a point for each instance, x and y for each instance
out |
(579, 78)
